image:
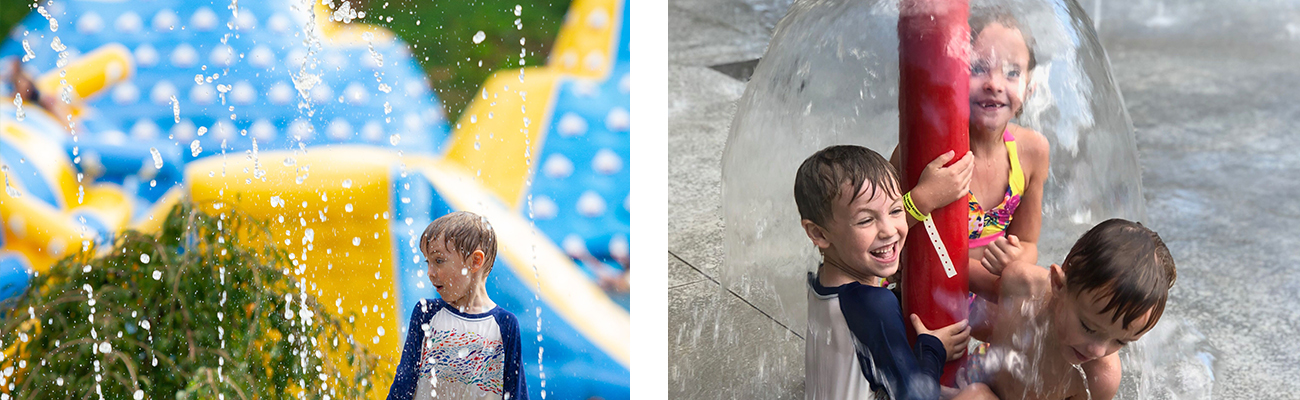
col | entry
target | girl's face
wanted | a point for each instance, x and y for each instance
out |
(999, 77)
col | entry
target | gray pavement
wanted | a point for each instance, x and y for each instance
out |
(1212, 89)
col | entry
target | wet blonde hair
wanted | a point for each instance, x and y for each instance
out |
(462, 232)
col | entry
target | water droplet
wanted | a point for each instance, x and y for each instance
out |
(176, 109)
(381, 331)
(347, 183)
(18, 102)
(195, 148)
(157, 158)
(289, 161)
(394, 139)
(139, 394)
(478, 37)
(157, 275)
(144, 258)
(356, 241)
(347, 207)
(462, 353)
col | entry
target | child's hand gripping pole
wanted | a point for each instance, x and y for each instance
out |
(934, 113)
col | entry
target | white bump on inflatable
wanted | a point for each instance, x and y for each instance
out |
(339, 129)
(574, 246)
(594, 61)
(585, 88)
(591, 204)
(322, 93)
(281, 93)
(412, 121)
(263, 130)
(114, 70)
(415, 88)
(90, 23)
(598, 18)
(618, 246)
(337, 61)
(544, 208)
(243, 93)
(144, 129)
(373, 131)
(606, 162)
(433, 115)
(557, 166)
(569, 59)
(246, 21)
(625, 83)
(618, 120)
(279, 23)
(113, 137)
(223, 130)
(18, 225)
(126, 93)
(301, 129)
(370, 62)
(184, 56)
(296, 58)
(203, 95)
(166, 20)
(572, 125)
(261, 57)
(355, 93)
(183, 131)
(128, 22)
(162, 92)
(146, 55)
(222, 56)
(203, 19)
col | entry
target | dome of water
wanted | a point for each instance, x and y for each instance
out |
(831, 76)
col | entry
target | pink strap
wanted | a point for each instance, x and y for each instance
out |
(1006, 136)
(981, 242)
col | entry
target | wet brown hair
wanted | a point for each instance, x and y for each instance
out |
(819, 179)
(983, 18)
(1127, 263)
(463, 232)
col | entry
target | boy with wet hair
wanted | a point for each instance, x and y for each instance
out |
(460, 345)
(856, 345)
(1110, 290)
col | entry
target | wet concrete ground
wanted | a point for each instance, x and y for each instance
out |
(1213, 89)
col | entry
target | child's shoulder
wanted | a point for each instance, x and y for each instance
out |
(868, 301)
(1031, 145)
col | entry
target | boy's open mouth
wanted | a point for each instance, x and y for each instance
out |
(886, 254)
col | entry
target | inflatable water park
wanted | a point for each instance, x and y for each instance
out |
(328, 131)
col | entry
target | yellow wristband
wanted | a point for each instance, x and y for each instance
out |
(911, 208)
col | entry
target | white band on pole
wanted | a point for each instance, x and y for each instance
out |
(933, 232)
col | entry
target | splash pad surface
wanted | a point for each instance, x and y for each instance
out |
(1208, 113)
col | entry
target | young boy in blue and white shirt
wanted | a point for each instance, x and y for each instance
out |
(857, 347)
(460, 345)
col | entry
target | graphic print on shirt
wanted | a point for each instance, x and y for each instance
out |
(464, 357)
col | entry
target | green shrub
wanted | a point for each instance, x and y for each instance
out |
(206, 308)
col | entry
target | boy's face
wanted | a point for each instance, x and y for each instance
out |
(452, 274)
(1085, 332)
(866, 235)
(999, 76)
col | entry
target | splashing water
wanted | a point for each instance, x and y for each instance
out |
(157, 158)
(478, 37)
(18, 103)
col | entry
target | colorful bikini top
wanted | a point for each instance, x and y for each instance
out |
(987, 226)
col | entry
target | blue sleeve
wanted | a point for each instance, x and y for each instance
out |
(404, 381)
(887, 361)
(515, 387)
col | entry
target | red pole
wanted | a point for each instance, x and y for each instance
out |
(934, 114)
